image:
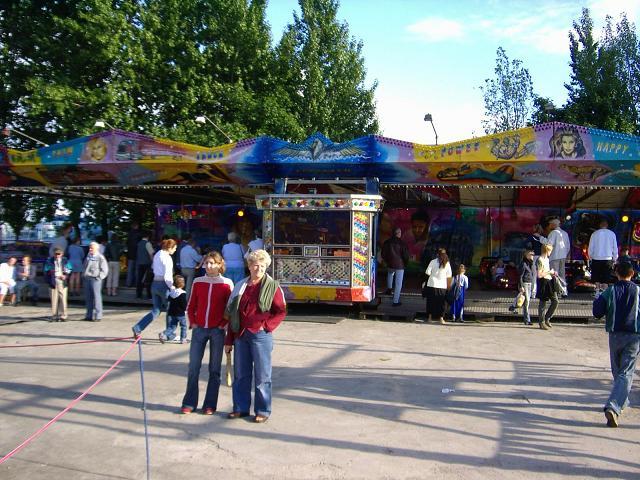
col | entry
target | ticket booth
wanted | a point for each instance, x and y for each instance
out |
(322, 246)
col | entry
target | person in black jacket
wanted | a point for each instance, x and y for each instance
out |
(525, 283)
(396, 255)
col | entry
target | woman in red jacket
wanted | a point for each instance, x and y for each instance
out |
(255, 309)
(205, 310)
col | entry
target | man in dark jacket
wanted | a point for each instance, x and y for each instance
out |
(396, 255)
(619, 303)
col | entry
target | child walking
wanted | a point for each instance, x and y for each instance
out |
(459, 286)
(176, 313)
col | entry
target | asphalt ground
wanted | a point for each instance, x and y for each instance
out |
(352, 399)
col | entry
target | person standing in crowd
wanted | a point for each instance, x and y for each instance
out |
(132, 253)
(96, 269)
(205, 310)
(233, 255)
(603, 252)
(256, 244)
(546, 291)
(459, 287)
(162, 283)
(76, 258)
(439, 273)
(176, 313)
(113, 250)
(26, 278)
(57, 270)
(559, 240)
(255, 309)
(7, 280)
(526, 279)
(620, 304)
(535, 242)
(396, 256)
(61, 241)
(144, 258)
(189, 260)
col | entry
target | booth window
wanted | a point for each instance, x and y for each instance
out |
(312, 227)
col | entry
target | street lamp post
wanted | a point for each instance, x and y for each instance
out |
(103, 124)
(429, 118)
(204, 119)
(6, 131)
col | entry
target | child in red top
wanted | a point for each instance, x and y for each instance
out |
(205, 310)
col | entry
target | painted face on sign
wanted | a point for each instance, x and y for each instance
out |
(568, 146)
(97, 149)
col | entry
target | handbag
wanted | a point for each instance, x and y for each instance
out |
(519, 301)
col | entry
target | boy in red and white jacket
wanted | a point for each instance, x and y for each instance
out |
(205, 311)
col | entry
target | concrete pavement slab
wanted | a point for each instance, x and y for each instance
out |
(353, 399)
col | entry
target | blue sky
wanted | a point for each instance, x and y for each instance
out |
(432, 56)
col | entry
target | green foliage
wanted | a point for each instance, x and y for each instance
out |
(508, 98)
(323, 74)
(602, 77)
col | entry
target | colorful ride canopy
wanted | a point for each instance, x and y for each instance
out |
(548, 154)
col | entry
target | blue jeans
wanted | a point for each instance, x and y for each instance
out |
(159, 291)
(93, 298)
(527, 300)
(199, 339)
(252, 356)
(30, 284)
(397, 286)
(172, 323)
(623, 352)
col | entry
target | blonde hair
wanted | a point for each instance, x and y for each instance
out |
(547, 248)
(259, 256)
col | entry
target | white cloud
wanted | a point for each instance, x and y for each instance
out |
(436, 29)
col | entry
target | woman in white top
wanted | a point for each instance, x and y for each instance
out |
(439, 272)
(545, 288)
(233, 254)
(162, 267)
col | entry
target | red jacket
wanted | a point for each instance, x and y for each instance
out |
(252, 319)
(208, 300)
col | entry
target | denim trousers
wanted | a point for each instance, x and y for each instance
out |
(623, 352)
(30, 284)
(252, 357)
(93, 298)
(527, 299)
(199, 339)
(159, 291)
(398, 276)
(172, 324)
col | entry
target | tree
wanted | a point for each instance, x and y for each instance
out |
(544, 111)
(598, 97)
(14, 208)
(324, 75)
(508, 98)
(627, 47)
